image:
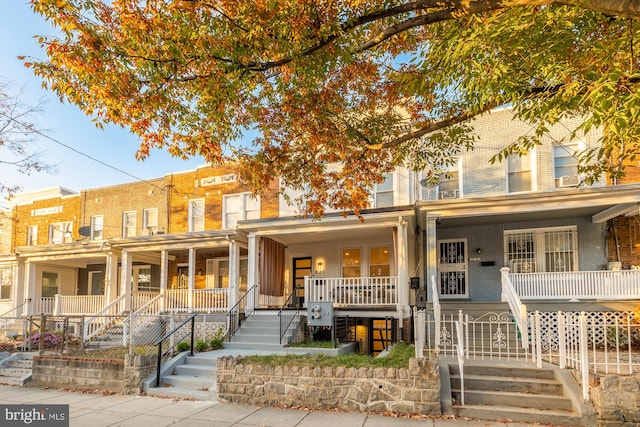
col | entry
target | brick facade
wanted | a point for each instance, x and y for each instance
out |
(43, 213)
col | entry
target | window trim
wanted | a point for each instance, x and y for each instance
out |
(146, 229)
(124, 223)
(244, 196)
(532, 168)
(191, 224)
(32, 235)
(94, 229)
(67, 233)
(391, 190)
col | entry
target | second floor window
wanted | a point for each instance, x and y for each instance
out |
(565, 165)
(196, 215)
(237, 207)
(96, 227)
(384, 192)
(150, 221)
(449, 185)
(60, 232)
(519, 173)
(129, 224)
(32, 235)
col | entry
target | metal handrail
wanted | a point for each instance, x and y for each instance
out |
(283, 319)
(191, 318)
(15, 308)
(436, 310)
(232, 328)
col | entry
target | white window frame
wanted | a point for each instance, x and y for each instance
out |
(536, 259)
(148, 228)
(129, 230)
(532, 170)
(570, 149)
(64, 228)
(244, 212)
(97, 226)
(6, 283)
(196, 222)
(365, 258)
(385, 188)
(32, 235)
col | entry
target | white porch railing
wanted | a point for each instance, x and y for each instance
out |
(205, 300)
(140, 298)
(43, 305)
(78, 304)
(103, 318)
(435, 301)
(616, 284)
(353, 291)
(518, 309)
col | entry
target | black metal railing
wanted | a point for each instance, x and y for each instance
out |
(192, 319)
(233, 315)
(286, 317)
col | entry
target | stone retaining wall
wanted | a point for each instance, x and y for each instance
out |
(616, 399)
(114, 375)
(412, 390)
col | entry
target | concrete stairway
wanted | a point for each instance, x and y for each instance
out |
(186, 377)
(261, 331)
(517, 392)
(16, 369)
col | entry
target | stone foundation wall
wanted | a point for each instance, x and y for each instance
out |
(616, 399)
(118, 376)
(412, 390)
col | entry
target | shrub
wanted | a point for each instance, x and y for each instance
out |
(218, 340)
(202, 346)
(183, 346)
(49, 339)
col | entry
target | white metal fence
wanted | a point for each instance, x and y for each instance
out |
(589, 342)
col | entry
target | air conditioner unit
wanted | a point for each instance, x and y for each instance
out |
(449, 194)
(568, 181)
(148, 232)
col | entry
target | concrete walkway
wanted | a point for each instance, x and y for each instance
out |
(96, 410)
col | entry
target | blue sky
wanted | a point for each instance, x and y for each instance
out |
(65, 123)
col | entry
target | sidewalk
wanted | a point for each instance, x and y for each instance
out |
(95, 410)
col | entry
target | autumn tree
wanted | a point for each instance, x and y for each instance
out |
(370, 84)
(18, 129)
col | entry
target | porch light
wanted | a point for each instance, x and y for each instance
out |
(320, 266)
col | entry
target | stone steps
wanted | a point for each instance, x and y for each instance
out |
(190, 377)
(16, 369)
(515, 392)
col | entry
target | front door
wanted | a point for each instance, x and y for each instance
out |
(96, 283)
(301, 268)
(452, 268)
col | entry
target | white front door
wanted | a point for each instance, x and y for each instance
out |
(452, 268)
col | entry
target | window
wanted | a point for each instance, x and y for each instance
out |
(519, 173)
(237, 207)
(448, 186)
(351, 262)
(32, 235)
(384, 192)
(96, 227)
(565, 165)
(379, 262)
(60, 232)
(129, 224)
(49, 284)
(542, 250)
(150, 221)
(142, 279)
(218, 273)
(5, 283)
(196, 215)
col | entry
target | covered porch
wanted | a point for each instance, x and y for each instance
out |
(357, 265)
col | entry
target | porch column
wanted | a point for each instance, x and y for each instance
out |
(252, 273)
(111, 278)
(191, 279)
(234, 272)
(164, 275)
(125, 283)
(29, 288)
(403, 273)
(430, 256)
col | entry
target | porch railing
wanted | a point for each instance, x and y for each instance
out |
(103, 318)
(208, 300)
(43, 305)
(617, 284)
(78, 304)
(435, 301)
(518, 309)
(353, 291)
(246, 303)
(141, 298)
